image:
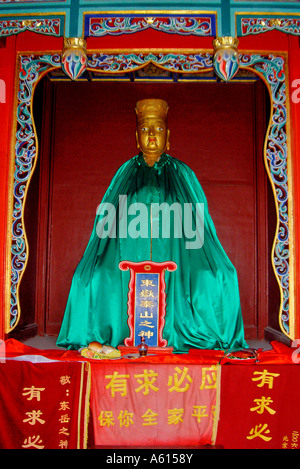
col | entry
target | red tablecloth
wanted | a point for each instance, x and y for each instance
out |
(165, 399)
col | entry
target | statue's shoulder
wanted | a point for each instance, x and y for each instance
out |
(181, 165)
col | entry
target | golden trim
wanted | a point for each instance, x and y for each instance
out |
(225, 42)
(87, 402)
(216, 417)
(156, 51)
(74, 43)
(291, 208)
(79, 405)
(83, 405)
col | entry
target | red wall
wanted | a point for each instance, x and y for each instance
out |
(32, 42)
(221, 154)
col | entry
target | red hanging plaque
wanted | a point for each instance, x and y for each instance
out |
(147, 302)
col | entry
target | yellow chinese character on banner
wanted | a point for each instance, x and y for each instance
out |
(146, 314)
(147, 294)
(263, 404)
(65, 380)
(34, 417)
(209, 377)
(117, 383)
(146, 304)
(147, 283)
(64, 431)
(65, 418)
(125, 418)
(33, 442)
(285, 442)
(265, 377)
(146, 381)
(295, 437)
(64, 405)
(63, 444)
(199, 412)
(175, 416)
(33, 392)
(146, 324)
(260, 431)
(106, 418)
(147, 334)
(179, 378)
(149, 418)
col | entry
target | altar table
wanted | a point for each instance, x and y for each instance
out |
(161, 400)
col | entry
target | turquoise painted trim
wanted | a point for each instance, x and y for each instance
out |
(11, 8)
(102, 24)
(225, 18)
(46, 29)
(149, 5)
(74, 10)
(260, 15)
(75, 24)
(83, 12)
(32, 11)
(219, 22)
(237, 4)
(21, 10)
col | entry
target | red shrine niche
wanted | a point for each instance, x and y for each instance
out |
(217, 129)
(236, 136)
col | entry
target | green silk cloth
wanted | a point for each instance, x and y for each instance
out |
(202, 296)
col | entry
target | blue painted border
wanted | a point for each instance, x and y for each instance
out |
(129, 30)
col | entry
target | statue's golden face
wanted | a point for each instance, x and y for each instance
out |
(152, 136)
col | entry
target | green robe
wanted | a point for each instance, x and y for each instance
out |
(202, 295)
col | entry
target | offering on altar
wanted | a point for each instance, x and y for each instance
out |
(97, 351)
(143, 348)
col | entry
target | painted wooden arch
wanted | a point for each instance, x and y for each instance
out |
(272, 69)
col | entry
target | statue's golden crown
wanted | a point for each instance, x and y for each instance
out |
(151, 107)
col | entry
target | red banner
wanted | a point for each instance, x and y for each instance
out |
(260, 407)
(154, 405)
(43, 405)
